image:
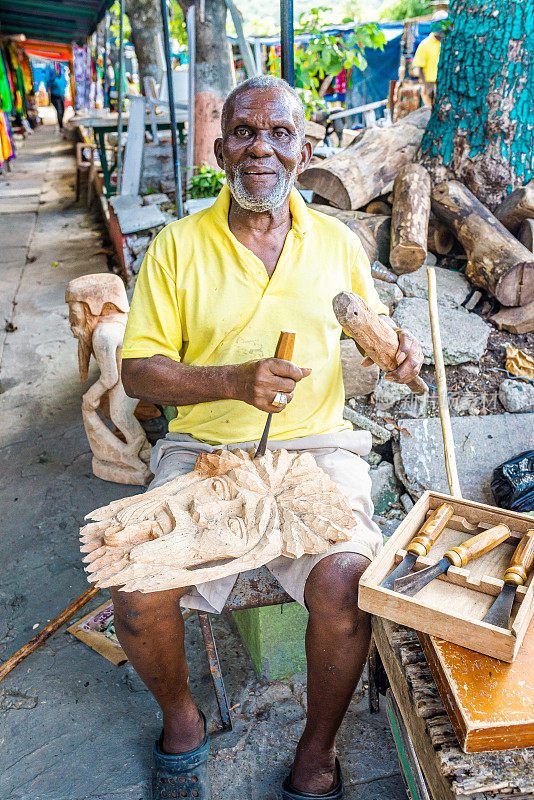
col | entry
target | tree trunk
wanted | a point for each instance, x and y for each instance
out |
(145, 22)
(214, 76)
(497, 261)
(409, 221)
(481, 129)
(367, 168)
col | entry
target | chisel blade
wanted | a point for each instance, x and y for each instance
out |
(400, 571)
(412, 584)
(499, 613)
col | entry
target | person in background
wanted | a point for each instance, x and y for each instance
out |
(426, 57)
(131, 86)
(57, 85)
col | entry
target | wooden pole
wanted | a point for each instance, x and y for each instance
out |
(441, 379)
(47, 631)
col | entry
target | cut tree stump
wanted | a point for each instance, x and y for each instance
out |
(525, 234)
(409, 220)
(518, 206)
(367, 168)
(440, 240)
(497, 261)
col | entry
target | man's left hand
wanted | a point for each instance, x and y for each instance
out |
(409, 358)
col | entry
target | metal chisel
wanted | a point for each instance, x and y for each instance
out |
(284, 349)
(421, 544)
(458, 556)
(516, 575)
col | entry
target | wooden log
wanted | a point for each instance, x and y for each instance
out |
(367, 168)
(517, 207)
(497, 262)
(314, 133)
(525, 234)
(440, 240)
(515, 320)
(409, 220)
(366, 237)
(378, 207)
(378, 224)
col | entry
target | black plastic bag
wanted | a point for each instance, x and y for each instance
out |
(512, 483)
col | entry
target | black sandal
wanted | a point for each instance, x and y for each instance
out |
(337, 793)
(182, 774)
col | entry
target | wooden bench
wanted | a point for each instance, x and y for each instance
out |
(445, 771)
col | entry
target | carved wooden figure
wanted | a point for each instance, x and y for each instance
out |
(231, 513)
(98, 311)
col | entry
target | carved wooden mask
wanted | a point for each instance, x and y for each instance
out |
(230, 514)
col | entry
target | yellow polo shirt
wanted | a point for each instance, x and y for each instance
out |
(204, 298)
(427, 57)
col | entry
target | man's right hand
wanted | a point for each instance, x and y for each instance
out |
(257, 382)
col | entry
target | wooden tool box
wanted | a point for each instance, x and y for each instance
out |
(452, 606)
(490, 703)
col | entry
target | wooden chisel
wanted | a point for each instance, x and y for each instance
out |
(458, 556)
(421, 544)
(284, 349)
(516, 575)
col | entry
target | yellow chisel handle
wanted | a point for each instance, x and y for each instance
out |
(522, 560)
(286, 343)
(433, 527)
(477, 545)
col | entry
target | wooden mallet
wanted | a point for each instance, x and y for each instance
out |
(373, 336)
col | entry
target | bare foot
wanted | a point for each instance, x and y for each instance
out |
(183, 730)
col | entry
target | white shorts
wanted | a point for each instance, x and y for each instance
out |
(338, 454)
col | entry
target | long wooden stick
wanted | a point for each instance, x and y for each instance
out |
(441, 379)
(51, 628)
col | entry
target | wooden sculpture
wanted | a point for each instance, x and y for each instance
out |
(98, 311)
(231, 513)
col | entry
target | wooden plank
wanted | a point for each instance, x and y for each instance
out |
(439, 786)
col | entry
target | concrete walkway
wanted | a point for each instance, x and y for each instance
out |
(73, 726)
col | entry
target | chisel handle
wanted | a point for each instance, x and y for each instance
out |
(433, 527)
(522, 560)
(286, 343)
(477, 545)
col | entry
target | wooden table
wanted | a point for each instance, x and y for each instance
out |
(101, 126)
(449, 773)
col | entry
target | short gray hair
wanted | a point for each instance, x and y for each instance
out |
(267, 82)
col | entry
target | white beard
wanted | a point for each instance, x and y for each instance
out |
(269, 202)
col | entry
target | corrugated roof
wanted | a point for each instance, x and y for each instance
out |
(52, 20)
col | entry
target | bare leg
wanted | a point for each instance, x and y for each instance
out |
(150, 629)
(337, 646)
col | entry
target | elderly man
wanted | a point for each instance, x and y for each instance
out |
(213, 294)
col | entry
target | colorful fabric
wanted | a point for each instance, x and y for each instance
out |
(6, 99)
(203, 298)
(7, 147)
(427, 57)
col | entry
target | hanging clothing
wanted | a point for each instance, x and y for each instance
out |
(7, 147)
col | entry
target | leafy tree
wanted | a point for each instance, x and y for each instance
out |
(405, 9)
(325, 54)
